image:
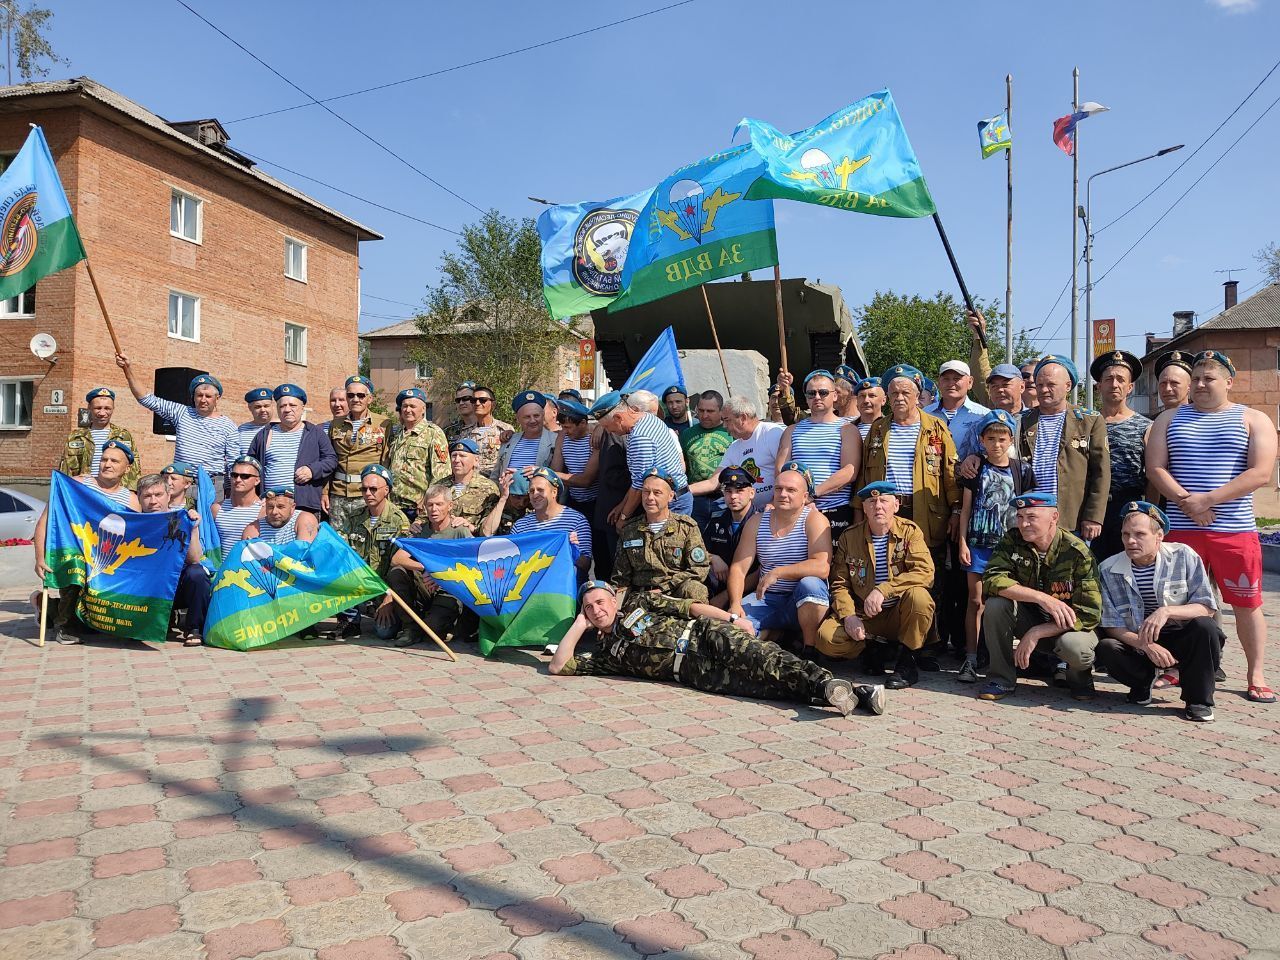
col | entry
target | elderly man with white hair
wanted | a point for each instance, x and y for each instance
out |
(754, 449)
(650, 443)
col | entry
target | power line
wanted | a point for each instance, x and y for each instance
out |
(370, 296)
(376, 142)
(463, 66)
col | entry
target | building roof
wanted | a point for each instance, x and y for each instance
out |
(83, 91)
(1261, 311)
(405, 328)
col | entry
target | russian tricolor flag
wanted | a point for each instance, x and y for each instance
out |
(1064, 128)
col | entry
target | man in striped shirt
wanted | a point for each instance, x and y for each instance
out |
(828, 447)
(650, 443)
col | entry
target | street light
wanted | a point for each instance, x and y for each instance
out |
(1086, 214)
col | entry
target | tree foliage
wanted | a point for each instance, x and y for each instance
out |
(895, 328)
(486, 320)
(25, 38)
(1269, 260)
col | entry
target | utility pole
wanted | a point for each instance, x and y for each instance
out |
(1075, 226)
(1008, 252)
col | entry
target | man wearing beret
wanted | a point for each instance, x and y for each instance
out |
(1115, 373)
(1067, 449)
(294, 452)
(372, 532)
(531, 446)
(417, 453)
(1041, 590)
(359, 438)
(659, 549)
(881, 573)
(179, 478)
(84, 445)
(868, 401)
(676, 403)
(474, 495)
(649, 443)
(1157, 610)
(262, 409)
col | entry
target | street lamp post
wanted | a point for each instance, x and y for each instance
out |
(1086, 214)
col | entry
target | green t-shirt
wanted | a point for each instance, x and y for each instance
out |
(703, 450)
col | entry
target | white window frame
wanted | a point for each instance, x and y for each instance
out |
(16, 380)
(195, 317)
(290, 243)
(420, 371)
(199, 208)
(27, 296)
(305, 337)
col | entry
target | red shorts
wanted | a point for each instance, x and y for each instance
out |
(1234, 561)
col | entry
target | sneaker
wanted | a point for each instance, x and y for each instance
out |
(1198, 713)
(350, 629)
(871, 697)
(408, 637)
(1220, 675)
(968, 672)
(995, 690)
(839, 693)
(64, 636)
(1084, 692)
(1140, 696)
(1060, 675)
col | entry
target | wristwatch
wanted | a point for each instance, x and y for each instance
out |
(734, 618)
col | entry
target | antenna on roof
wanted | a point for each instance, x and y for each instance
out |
(1232, 270)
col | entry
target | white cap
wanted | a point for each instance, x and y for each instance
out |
(958, 366)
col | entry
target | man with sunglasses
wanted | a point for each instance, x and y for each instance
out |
(828, 447)
(464, 401)
(1030, 398)
(485, 429)
(372, 531)
(359, 438)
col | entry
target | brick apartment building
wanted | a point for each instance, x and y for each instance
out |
(205, 262)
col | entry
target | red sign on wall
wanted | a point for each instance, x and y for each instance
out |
(586, 364)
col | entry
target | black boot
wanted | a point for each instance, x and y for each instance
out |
(907, 674)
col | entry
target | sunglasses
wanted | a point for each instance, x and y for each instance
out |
(818, 393)
(374, 489)
(356, 396)
(464, 399)
(1027, 377)
(244, 476)
(483, 399)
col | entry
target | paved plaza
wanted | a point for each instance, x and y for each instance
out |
(355, 802)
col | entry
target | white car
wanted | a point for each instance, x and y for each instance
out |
(18, 514)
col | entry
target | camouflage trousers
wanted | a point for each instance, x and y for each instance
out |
(720, 658)
(341, 509)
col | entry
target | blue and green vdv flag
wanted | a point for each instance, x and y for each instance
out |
(994, 135)
(265, 592)
(857, 159)
(584, 248)
(126, 563)
(697, 226)
(210, 539)
(523, 587)
(659, 368)
(37, 233)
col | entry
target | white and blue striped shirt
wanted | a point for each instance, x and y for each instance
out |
(651, 443)
(569, 520)
(773, 552)
(1044, 459)
(278, 535)
(576, 455)
(864, 429)
(120, 494)
(209, 442)
(525, 453)
(816, 446)
(1207, 451)
(245, 434)
(231, 522)
(900, 456)
(99, 438)
(881, 547)
(282, 456)
(1144, 578)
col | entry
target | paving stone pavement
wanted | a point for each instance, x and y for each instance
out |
(355, 802)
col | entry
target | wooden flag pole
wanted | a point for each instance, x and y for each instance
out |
(419, 621)
(782, 328)
(44, 613)
(1008, 246)
(716, 338)
(955, 268)
(102, 305)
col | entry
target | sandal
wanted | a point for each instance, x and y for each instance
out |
(1169, 678)
(193, 640)
(1261, 694)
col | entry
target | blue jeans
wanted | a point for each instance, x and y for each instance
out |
(777, 611)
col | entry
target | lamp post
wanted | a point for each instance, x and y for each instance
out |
(1086, 214)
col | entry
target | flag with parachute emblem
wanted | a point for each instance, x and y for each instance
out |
(659, 368)
(584, 250)
(38, 235)
(210, 539)
(523, 587)
(994, 135)
(265, 592)
(857, 159)
(127, 563)
(698, 227)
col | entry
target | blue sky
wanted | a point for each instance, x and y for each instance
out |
(615, 111)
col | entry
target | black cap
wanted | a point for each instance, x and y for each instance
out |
(1176, 358)
(736, 477)
(1115, 358)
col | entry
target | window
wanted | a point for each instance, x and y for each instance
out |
(184, 316)
(23, 305)
(185, 216)
(15, 404)
(295, 259)
(8, 504)
(295, 344)
(421, 372)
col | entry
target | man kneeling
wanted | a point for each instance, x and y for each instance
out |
(697, 645)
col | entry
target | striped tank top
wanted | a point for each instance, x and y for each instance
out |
(99, 438)
(231, 522)
(1206, 451)
(576, 453)
(864, 429)
(817, 447)
(881, 547)
(119, 495)
(525, 453)
(569, 520)
(900, 456)
(773, 552)
(281, 535)
(245, 434)
(1044, 458)
(1145, 580)
(282, 456)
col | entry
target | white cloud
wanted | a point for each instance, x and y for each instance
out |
(1235, 6)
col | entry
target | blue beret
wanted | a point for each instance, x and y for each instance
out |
(660, 474)
(1005, 370)
(203, 380)
(571, 394)
(378, 470)
(928, 386)
(906, 372)
(604, 404)
(548, 475)
(247, 461)
(465, 444)
(1001, 418)
(289, 390)
(847, 373)
(595, 585)
(675, 390)
(1217, 357)
(736, 477)
(819, 373)
(356, 378)
(866, 383)
(410, 393)
(258, 393)
(529, 396)
(794, 466)
(465, 385)
(1064, 362)
(181, 469)
(573, 408)
(1035, 499)
(880, 488)
(97, 392)
(1148, 508)
(280, 490)
(121, 446)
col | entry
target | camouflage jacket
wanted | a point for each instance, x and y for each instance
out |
(356, 453)
(646, 636)
(662, 561)
(476, 500)
(489, 440)
(375, 541)
(1067, 572)
(77, 456)
(853, 566)
(416, 458)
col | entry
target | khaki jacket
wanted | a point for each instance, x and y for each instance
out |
(853, 566)
(355, 454)
(935, 490)
(1084, 464)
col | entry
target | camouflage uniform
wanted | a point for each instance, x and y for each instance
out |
(1067, 572)
(77, 457)
(453, 429)
(374, 541)
(354, 454)
(488, 439)
(476, 500)
(417, 459)
(673, 560)
(656, 638)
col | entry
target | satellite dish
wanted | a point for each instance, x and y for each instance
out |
(44, 346)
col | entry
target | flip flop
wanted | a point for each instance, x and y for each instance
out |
(1261, 694)
(1166, 680)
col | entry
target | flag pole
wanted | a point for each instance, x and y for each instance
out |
(716, 338)
(1008, 250)
(419, 621)
(1075, 225)
(782, 329)
(955, 268)
(115, 341)
(44, 613)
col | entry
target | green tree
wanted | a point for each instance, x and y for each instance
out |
(486, 320)
(25, 37)
(895, 328)
(1269, 259)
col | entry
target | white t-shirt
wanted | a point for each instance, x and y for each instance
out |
(758, 455)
